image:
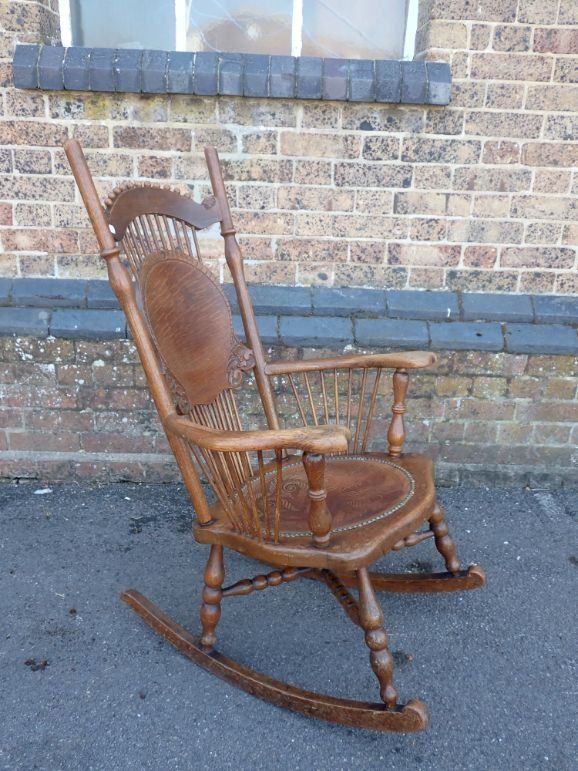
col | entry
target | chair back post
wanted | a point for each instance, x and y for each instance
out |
(123, 287)
(235, 262)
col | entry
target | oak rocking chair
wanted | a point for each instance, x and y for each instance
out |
(311, 501)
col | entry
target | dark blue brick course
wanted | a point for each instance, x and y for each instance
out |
(388, 81)
(50, 68)
(497, 307)
(388, 332)
(5, 290)
(256, 75)
(24, 321)
(231, 74)
(463, 335)
(154, 72)
(99, 294)
(537, 338)
(315, 330)
(76, 69)
(439, 82)
(88, 324)
(282, 76)
(362, 80)
(556, 309)
(208, 73)
(309, 75)
(180, 72)
(414, 88)
(347, 302)
(281, 299)
(434, 306)
(24, 66)
(313, 316)
(100, 69)
(267, 326)
(49, 293)
(127, 71)
(335, 72)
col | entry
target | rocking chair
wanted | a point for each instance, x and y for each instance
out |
(312, 501)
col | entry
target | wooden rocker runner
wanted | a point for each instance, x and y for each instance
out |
(312, 501)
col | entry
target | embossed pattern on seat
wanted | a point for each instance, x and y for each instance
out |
(361, 490)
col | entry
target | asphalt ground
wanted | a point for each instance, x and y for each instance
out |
(84, 684)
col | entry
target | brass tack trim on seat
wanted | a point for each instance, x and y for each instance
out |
(366, 522)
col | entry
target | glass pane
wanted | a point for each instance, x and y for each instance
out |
(365, 29)
(126, 24)
(240, 26)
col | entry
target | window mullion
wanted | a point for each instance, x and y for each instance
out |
(180, 25)
(411, 20)
(65, 22)
(297, 28)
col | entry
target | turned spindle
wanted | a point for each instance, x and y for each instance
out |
(263, 581)
(319, 514)
(396, 432)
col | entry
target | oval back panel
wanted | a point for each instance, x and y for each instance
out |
(190, 320)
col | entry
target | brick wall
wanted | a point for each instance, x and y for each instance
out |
(480, 195)
(74, 404)
(77, 409)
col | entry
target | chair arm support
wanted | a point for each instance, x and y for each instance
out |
(325, 440)
(407, 360)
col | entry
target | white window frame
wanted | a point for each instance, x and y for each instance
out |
(296, 26)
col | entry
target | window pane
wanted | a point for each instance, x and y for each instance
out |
(126, 24)
(240, 26)
(356, 29)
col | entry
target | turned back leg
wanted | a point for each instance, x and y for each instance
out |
(443, 541)
(212, 594)
(376, 639)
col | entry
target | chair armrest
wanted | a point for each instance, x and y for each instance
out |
(407, 360)
(324, 440)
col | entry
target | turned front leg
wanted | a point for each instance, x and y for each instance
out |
(212, 595)
(443, 540)
(319, 514)
(376, 639)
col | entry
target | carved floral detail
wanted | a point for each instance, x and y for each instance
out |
(180, 398)
(241, 360)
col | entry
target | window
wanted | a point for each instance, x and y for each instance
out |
(354, 29)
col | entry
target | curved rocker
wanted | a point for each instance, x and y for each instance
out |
(472, 578)
(407, 718)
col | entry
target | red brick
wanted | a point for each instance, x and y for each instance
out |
(550, 153)
(552, 97)
(511, 66)
(501, 152)
(537, 257)
(557, 41)
(6, 213)
(32, 133)
(44, 441)
(64, 241)
(141, 138)
(423, 254)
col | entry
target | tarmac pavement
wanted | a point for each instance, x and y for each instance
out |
(84, 684)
